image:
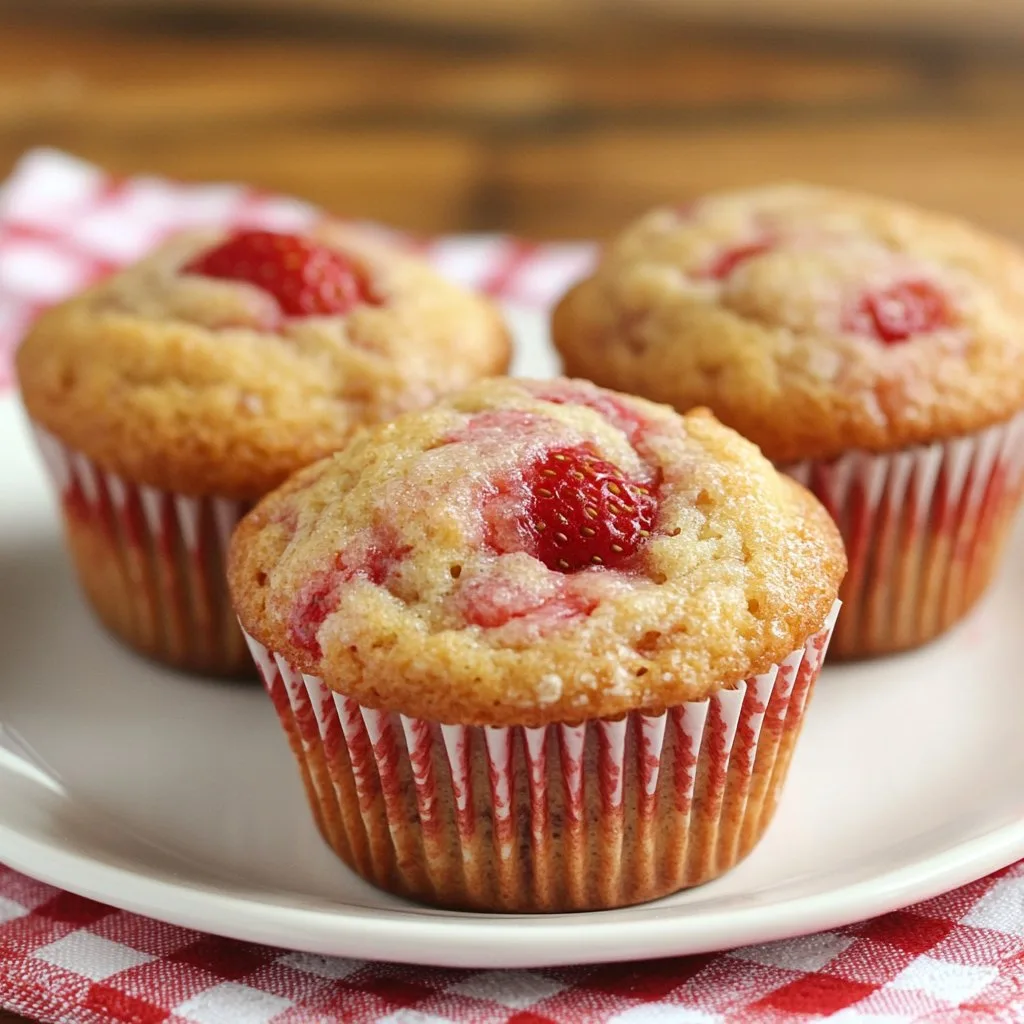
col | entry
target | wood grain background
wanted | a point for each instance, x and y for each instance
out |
(444, 133)
(551, 136)
(982, 19)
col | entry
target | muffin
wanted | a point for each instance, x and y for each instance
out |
(541, 647)
(169, 397)
(873, 351)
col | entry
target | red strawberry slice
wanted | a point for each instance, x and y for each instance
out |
(373, 560)
(583, 512)
(317, 600)
(305, 277)
(491, 603)
(728, 260)
(901, 311)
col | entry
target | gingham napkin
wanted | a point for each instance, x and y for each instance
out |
(956, 958)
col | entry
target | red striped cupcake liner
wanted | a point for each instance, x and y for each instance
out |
(150, 562)
(600, 814)
(924, 530)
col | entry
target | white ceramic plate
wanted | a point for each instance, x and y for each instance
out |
(177, 797)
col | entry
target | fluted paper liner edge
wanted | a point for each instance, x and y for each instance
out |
(924, 528)
(604, 813)
(151, 563)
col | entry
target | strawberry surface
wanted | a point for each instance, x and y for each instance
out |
(727, 261)
(902, 311)
(373, 558)
(582, 511)
(305, 277)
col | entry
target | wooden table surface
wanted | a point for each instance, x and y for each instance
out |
(548, 138)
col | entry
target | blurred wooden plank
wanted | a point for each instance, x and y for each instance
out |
(136, 80)
(590, 183)
(990, 19)
(985, 19)
(547, 141)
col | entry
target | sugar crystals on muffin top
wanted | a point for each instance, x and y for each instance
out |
(813, 321)
(531, 529)
(784, 258)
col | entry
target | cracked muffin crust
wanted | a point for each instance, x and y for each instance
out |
(199, 372)
(529, 552)
(813, 321)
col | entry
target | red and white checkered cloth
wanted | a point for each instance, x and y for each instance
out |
(956, 958)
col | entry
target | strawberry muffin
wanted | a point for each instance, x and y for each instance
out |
(874, 351)
(173, 394)
(541, 647)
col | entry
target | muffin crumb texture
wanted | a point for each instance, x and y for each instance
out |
(536, 551)
(811, 320)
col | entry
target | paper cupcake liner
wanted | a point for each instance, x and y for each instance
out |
(924, 530)
(562, 817)
(151, 563)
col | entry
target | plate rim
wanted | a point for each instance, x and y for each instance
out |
(410, 935)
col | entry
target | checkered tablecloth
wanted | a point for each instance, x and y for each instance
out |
(956, 958)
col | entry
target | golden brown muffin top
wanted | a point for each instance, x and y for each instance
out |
(811, 320)
(424, 568)
(201, 385)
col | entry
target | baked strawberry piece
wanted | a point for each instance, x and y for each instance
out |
(583, 512)
(903, 310)
(307, 278)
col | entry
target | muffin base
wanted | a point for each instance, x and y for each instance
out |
(924, 530)
(151, 563)
(564, 817)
